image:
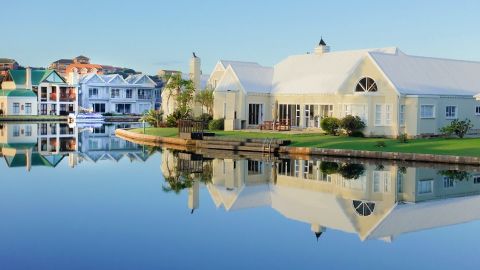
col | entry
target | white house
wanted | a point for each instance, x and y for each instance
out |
(114, 94)
(391, 91)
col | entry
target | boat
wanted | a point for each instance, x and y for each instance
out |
(86, 118)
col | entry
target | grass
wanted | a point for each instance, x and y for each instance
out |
(438, 146)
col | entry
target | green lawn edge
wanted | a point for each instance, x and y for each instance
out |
(437, 146)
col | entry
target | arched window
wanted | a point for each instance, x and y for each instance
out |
(363, 208)
(366, 84)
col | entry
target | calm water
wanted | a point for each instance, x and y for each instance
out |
(80, 198)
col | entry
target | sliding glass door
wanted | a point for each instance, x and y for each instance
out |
(255, 114)
(289, 113)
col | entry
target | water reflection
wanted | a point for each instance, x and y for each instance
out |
(370, 198)
(373, 200)
(47, 144)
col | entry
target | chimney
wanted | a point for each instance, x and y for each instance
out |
(195, 71)
(28, 78)
(321, 48)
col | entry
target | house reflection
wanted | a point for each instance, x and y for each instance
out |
(100, 143)
(47, 144)
(371, 200)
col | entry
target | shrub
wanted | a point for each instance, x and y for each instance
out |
(328, 167)
(173, 118)
(402, 138)
(380, 144)
(153, 118)
(330, 125)
(204, 117)
(216, 124)
(459, 128)
(351, 124)
(357, 133)
(351, 171)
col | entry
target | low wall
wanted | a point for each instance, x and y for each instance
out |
(126, 134)
(380, 155)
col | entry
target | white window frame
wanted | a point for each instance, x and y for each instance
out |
(383, 118)
(448, 182)
(348, 110)
(16, 108)
(476, 179)
(433, 111)
(430, 182)
(402, 115)
(455, 112)
(28, 108)
(93, 92)
(477, 110)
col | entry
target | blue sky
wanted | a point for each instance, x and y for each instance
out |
(148, 35)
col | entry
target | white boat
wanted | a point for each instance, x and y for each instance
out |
(86, 118)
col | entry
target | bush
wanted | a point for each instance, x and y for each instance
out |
(459, 128)
(173, 118)
(153, 118)
(402, 138)
(328, 167)
(330, 125)
(351, 171)
(204, 117)
(217, 124)
(351, 124)
(357, 133)
(380, 144)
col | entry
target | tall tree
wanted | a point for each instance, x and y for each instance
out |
(205, 98)
(182, 90)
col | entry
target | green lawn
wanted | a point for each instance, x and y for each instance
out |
(440, 146)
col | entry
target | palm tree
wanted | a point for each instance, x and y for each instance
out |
(153, 117)
(205, 98)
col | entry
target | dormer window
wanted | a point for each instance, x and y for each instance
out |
(366, 85)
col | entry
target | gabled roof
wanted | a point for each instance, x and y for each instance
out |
(251, 76)
(63, 61)
(312, 73)
(17, 93)
(137, 78)
(38, 75)
(7, 61)
(416, 75)
(226, 63)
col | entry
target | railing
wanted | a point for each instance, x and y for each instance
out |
(190, 126)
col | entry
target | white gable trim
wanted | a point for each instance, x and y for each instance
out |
(94, 75)
(384, 74)
(230, 69)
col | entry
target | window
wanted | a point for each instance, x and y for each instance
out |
(448, 182)
(451, 112)
(28, 130)
(315, 113)
(477, 110)
(425, 186)
(363, 208)
(16, 108)
(99, 107)
(144, 94)
(115, 93)
(255, 114)
(383, 115)
(476, 179)
(402, 115)
(123, 108)
(255, 167)
(28, 108)
(427, 111)
(359, 110)
(128, 93)
(381, 181)
(93, 92)
(366, 85)
(16, 131)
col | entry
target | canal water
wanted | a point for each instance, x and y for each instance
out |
(81, 198)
